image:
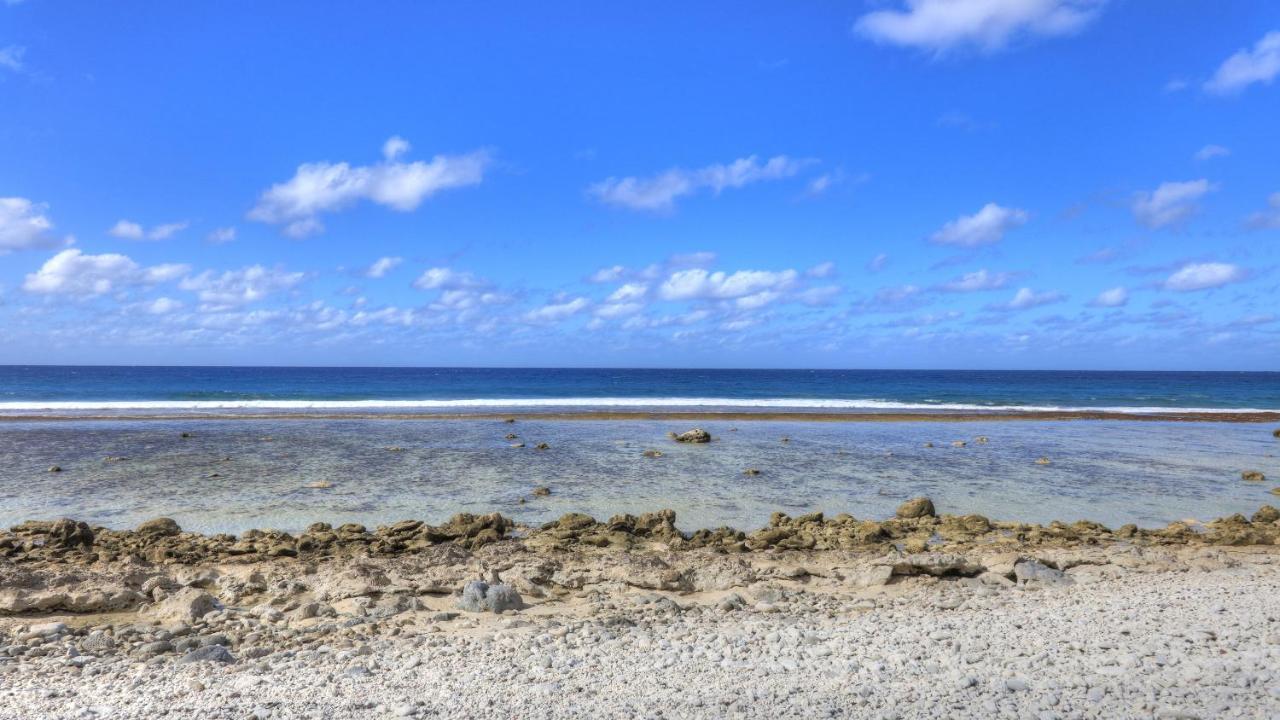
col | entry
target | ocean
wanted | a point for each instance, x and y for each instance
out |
(228, 450)
(54, 388)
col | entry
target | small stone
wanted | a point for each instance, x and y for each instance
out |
(479, 596)
(915, 508)
(54, 468)
(1042, 461)
(511, 436)
(652, 453)
(541, 491)
(184, 435)
(751, 471)
(542, 446)
(1253, 476)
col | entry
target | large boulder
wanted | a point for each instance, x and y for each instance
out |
(480, 596)
(185, 606)
(696, 435)
(1266, 514)
(915, 508)
(159, 527)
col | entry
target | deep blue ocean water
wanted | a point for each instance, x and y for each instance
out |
(31, 388)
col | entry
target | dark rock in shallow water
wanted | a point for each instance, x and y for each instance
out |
(542, 446)
(916, 508)
(696, 435)
(1253, 476)
(751, 471)
(480, 596)
(541, 491)
(652, 453)
(54, 468)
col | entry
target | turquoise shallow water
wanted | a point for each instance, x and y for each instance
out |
(230, 475)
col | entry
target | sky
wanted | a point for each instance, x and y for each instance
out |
(1063, 184)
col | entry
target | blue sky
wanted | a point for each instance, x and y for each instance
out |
(893, 183)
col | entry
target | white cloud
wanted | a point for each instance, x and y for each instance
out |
(1115, 297)
(942, 25)
(162, 306)
(11, 57)
(1203, 276)
(239, 287)
(614, 310)
(607, 274)
(700, 284)
(1171, 203)
(1268, 219)
(439, 278)
(24, 226)
(1246, 67)
(985, 227)
(976, 281)
(878, 262)
(71, 272)
(557, 310)
(818, 296)
(382, 266)
(129, 230)
(323, 187)
(1209, 152)
(629, 293)
(394, 147)
(1026, 298)
(660, 192)
(222, 235)
(822, 270)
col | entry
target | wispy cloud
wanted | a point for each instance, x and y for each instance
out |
(985, 227)
(1026, 298)
(977, 281)
(988, 25)
(1259, 64)
(382, 266)
(11, 58)
(322, 187)
(660, 192)
(129, 230)
(1268, 219)
(1204, 276)
(1209, 152)
(1172, 203)
(233, 288)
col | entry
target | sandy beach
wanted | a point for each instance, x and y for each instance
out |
(915, 616)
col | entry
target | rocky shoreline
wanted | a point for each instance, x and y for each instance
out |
(232, 622)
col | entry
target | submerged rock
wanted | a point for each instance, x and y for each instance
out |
(696, 435)
(480, 596)
(652, 453)
(915, 508)
(1042, 461)
(541, 491)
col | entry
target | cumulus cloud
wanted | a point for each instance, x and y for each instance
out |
(322, 187)
(629, 292)
(1259, 64)
(129, 230)
(382, 266)
(1115, 297)
(1170, 204)
(1268, 219)
(659, 193)
(221, 235)
(697, 283)
(559, 310)
(1204, 276)
(233, 288)
(73, 273)
(1026, 298)
(985, 227)
(989, 25)
(24, 226)
(1209, 152)
(976, 281)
